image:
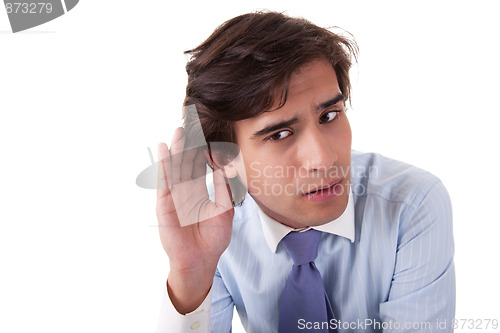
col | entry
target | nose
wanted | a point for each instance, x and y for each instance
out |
(317, 152)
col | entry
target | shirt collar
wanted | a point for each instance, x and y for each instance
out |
(342, 226)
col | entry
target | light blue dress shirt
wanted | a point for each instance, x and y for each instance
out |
(387, 267)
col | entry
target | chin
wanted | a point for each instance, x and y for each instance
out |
(315, 216)
(320, 219)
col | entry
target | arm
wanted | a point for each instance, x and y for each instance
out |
(423, 285)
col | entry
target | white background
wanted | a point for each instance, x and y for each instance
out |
(83, 96)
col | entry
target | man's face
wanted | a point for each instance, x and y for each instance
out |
(304, 146)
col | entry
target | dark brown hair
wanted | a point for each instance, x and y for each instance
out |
(245, 67)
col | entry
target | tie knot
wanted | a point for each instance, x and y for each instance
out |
(302, 246)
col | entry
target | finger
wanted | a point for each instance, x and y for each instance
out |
(164, 204)
(199, 165)
(163, 171)
(176, 150)
(223, 199)
(187, 164)
(199, 174)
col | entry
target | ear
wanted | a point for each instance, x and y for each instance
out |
(230, 169)
(218, 158)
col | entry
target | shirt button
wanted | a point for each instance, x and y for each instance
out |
(195, 325)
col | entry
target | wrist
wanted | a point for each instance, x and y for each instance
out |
(188, 290)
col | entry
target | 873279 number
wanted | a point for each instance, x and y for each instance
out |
(28, 8)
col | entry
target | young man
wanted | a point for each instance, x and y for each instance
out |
(322, 239)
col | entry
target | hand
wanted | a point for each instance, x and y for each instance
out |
(194, 231)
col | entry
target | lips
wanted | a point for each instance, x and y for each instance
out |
(327, 186)
(325, 193)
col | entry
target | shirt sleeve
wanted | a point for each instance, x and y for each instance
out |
(171, 321)
(422, 294)
(214, 315)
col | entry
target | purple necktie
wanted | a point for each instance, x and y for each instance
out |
(304, 300)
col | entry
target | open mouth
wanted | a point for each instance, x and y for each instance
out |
(325, 192)
(326, 187)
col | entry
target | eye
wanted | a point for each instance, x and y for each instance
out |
(328, 116)
(279, 135)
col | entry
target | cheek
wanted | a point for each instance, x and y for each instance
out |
(347, 131)
(341, 138)
(268, 179)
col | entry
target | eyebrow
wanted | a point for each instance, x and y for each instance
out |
(274, 127)
(331, 102)
(287, 123)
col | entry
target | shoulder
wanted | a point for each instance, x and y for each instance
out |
(374, 175)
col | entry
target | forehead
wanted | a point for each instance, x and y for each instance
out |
(310, 86)
(313, 76)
